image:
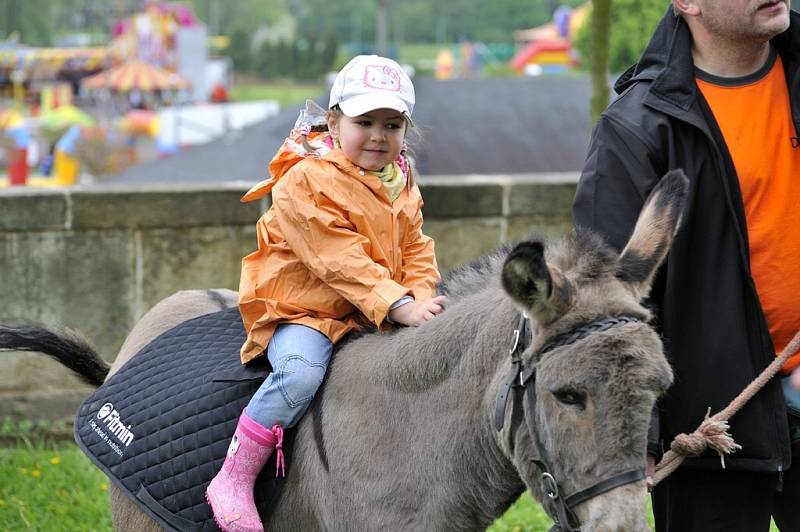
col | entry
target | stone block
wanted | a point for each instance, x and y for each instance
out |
(197, 257)
(34, 386)
(81, 280)
(141, 209)
(37, 404)
(541, 196)
(23, 369)
(461, 241)
(26, 210)
(544, 226)
(453, 200)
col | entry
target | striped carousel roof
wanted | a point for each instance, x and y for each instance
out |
(137, 75)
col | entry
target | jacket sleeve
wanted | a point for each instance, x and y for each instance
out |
(420, 271)
(327, 243)
(619, 173)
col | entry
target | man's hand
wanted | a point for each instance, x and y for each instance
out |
(418, 312)
(650, 470)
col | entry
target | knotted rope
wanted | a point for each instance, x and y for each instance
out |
(713, 431)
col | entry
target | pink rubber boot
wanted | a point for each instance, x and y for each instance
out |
(230, 493)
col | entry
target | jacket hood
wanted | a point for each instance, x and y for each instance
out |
(293, 152)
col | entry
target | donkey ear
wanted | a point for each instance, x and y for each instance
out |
(651, 239)
(539, 288)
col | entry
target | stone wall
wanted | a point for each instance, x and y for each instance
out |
(96, 259)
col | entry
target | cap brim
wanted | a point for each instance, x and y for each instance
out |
(365, 103)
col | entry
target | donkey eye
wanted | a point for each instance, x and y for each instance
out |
(570, 397)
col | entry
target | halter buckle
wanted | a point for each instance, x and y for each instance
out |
(550, 485)
(514, 342)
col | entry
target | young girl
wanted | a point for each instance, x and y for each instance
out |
(340, 248)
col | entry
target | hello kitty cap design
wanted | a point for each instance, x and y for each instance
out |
(370, 82)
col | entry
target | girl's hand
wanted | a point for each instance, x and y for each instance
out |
(416, 313)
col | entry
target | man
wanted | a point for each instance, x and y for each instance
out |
(717, 93)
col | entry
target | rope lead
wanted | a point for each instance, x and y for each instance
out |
(713, 431)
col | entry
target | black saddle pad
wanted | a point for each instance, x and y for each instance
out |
(160, 427)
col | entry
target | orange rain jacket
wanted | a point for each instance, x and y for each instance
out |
(333, 251)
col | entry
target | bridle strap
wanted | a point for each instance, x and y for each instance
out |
(559, 508)
(519, 341)
(583, 331)
(563, 516)
(603, 486)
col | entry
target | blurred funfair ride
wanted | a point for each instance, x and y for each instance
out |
(154, 58)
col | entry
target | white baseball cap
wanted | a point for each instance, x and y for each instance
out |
(370, 82)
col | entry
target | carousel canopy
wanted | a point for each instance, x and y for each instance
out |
(136, 75)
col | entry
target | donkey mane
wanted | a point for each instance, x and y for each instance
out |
(584, 253)
(425, 356)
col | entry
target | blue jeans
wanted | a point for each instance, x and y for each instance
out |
(299, 356)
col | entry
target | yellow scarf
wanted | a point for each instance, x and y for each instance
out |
(393, 179)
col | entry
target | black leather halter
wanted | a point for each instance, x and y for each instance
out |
(524, 378)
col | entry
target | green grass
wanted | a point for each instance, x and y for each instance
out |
(414, 53)
(286, 93)
(51, 488)
(525, 515)
(54, 488)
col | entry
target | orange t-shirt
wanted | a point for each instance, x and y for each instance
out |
(755, 118)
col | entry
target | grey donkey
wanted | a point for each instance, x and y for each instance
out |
(410, 418)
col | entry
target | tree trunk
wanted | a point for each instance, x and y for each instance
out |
(601, 39)
(13, 19)
(382, 28)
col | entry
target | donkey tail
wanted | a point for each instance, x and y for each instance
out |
(70, 349)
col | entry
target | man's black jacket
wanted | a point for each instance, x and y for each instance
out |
(714, 330)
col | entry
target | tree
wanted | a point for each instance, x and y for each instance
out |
(239, 51)
(633, 23)
(354, 21)
(631, 26)
(601, 37)
(226, 16)
(264, 63)
(31, 18)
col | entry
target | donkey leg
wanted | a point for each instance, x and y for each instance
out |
(126, 516)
